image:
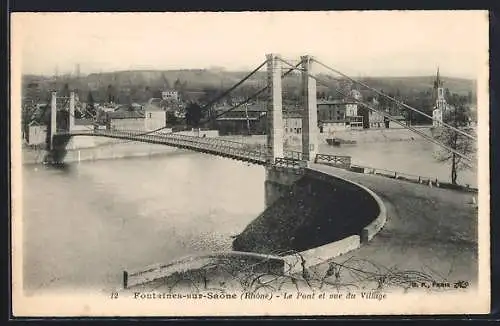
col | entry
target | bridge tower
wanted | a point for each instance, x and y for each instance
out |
(53, 119)
(53, 116)
(310, 112)
(274, 109)
(278, 181)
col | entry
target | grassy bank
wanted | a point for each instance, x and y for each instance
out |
(314, 214)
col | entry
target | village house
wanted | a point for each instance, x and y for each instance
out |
(331, 115)
(246, 119)
(292, 122)
(155, 117)
(170, 95)
(125, 120)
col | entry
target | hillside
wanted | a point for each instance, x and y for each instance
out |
(139, 85)
(411, 85)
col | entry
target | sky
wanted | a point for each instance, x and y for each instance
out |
(392, 43)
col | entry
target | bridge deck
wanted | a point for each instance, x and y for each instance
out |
(254, 154)
(214, 146)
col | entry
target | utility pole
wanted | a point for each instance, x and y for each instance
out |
(248, 121)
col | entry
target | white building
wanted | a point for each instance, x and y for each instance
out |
(37, 135)
(292, 123)
(154, 119)
(170, 95)
(330, 127)
(154, 116)
(351, 109)
(375, 118)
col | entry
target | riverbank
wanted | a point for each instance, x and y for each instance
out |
(112, 150)
(85, 148)
(315, 213)
(380, 135)
(429, 236)
(430, 230)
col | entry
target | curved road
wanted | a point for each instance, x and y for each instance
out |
(429, 230)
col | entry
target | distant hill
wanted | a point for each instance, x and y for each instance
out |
(411, 85)
(139, 85)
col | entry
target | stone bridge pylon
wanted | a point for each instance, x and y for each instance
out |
(279, 181)
(53, 117)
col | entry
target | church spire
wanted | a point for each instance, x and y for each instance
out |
(438, 83)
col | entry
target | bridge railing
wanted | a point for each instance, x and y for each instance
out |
(254, 152)
(289, 163)
(334, 160)
(142, 134)
(296, 155)
(221, 146)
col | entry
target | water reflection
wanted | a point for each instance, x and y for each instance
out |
(85, 223)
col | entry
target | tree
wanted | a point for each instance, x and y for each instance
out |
(90, 109)
(166, 83)
(65, 91)
(209, 94)
(110, 94)
(455, 140)
(193, 115)
(177, 85)
(447, 94)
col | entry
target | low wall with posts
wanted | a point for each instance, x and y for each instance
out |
(297, 261)
(233, 260)
(368, 231)
(345, 162)
(319, 217)
(408, 177)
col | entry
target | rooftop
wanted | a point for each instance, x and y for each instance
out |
(254, 107)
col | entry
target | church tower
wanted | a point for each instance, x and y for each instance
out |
(440, 107)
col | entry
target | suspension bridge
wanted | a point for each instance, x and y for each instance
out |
(273, 153)
(406, 204)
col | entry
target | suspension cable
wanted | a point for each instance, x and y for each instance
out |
(234, 86)
(251, 97)
(395, 100)
(217, 98)
(431, 139)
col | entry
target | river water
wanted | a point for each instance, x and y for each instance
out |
(84, 224)
(87, 223)
(412, 157)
